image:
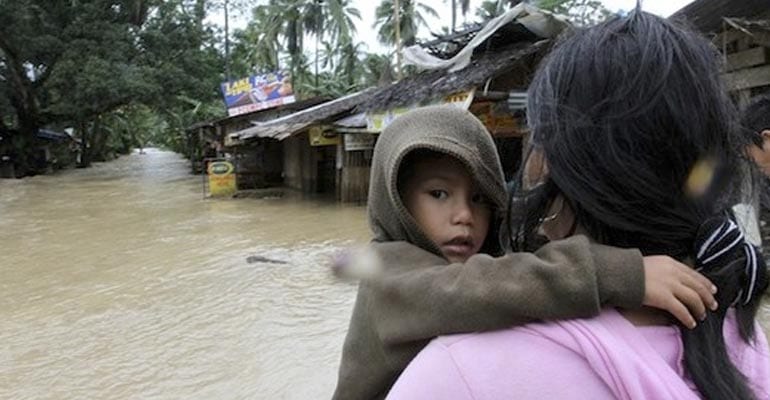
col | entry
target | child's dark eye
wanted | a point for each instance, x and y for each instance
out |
(439, 194)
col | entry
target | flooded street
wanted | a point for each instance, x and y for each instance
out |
(121, 282)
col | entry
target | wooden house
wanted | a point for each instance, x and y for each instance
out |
(741, 31)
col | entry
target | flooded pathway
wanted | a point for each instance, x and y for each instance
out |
(121, 282)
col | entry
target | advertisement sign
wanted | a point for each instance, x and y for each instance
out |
(221, 178)
(497, 119)
(257, 92)
(323, 136)
(359, 141)
(376, 122)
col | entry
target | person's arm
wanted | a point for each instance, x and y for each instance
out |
(419, 297)
(569, 278)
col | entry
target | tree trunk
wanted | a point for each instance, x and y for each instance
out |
(317, 89)
(98, 141)
(319, 33)
(85, 153)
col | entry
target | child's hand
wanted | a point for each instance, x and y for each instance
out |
(678, 289)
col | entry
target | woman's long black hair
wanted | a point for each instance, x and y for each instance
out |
(643, 143)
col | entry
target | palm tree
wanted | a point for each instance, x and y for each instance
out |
(489, 9)
(378, 70)
(350, 63)
(259, 42)
(340, 20)
(411, 19)
(277, 27)
(464, 6)
(333, 16)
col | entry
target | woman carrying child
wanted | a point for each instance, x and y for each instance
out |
(436, 199)
(641, 150)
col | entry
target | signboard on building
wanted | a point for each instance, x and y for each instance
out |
(323, 136)
(359, 141)
(257, 92)
(378, 121)
(497, 118)
(221, 178)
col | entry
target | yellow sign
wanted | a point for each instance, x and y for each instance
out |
(377, 121)
(221, 178)
(323, 137)
(461, 99)
(497, 119)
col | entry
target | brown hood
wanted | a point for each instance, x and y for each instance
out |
(444, 129)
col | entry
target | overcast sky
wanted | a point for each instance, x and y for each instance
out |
(368, 35)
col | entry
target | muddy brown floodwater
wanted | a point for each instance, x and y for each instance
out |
(121, 282)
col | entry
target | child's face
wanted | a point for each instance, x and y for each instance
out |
(449, 208)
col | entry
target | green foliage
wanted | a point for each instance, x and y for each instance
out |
(275, 39)
(92, 64)
(378, 69)
(411, 18)
(489, 9)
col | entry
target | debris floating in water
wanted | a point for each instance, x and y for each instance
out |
(260, 259)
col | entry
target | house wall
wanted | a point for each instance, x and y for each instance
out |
(747, 70)
(300, 164)
(259, 164)
(354, 176)
(292, 164)
(310, 169)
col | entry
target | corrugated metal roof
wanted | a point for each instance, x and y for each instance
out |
(281, 128)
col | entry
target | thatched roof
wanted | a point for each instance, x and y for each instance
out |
(439, 83)
(281, 128)
(512, 41)
(707, 15)
(749, 26)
